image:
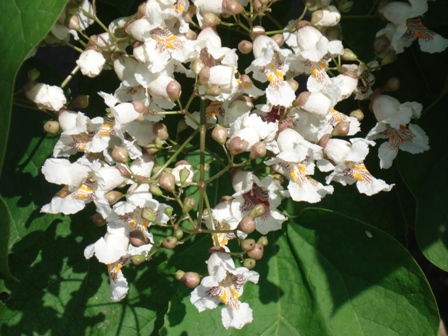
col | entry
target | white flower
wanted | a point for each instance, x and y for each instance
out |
(46, 96)
(225, 284)
(91, 63)
(388, 110)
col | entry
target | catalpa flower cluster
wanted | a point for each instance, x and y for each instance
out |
(273, 135)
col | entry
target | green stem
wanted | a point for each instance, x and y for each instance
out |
(70, 76)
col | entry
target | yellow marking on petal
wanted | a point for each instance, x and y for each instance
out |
(359, 167)
(322, 65)
(223, 296)
(293, 175)
(301, 167)
(63, 193)
(358, 176)
(314, 72)
(270, 77)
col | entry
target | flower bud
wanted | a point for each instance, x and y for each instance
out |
(179, 275)
(258, 150)
(191, 279)
(113, 196)
(213, 90)
(392, 85)
(120, 154)
(302, 98)
(141, 11)
(257, 211)
(169, 242)
(237, 146)
(263, 240)
(389, 58)
(123, 171)
(184, 174)
(137, 259)
(173, 89)
(168, 211)
(349, 55)
(138, 238)
(197, 66)
(73, 22)
(219, 134)
(189, 203)
(204, 75)
(257, 252)
(249, 263)
(333, 33)
(257, 31)
(233, 7)
(293, 84)
(33, 74)
(324, 140)
(245, 46)
(178, 233)
(381, 44)
(98, 220)
(279, 39)
(160, 130)
(149, 215)
(51, 127)
(167, 181)
(247, 225)
(190, 34)
(341, 129)
(210, 20)
(316, 16)
(358, 114)
(140, 107)
(248, 245)
(278, 178)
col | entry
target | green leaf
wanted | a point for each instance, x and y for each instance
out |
(4, 236)
(325, 276)
(62, 293)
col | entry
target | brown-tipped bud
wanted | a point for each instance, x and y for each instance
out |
(113, 196)
(333, 33)
(233, 7)
(249, 263)
(197, 66)
(167, 181)
(213, 90)
(316, 16)
(73, 22)
(216, 249)
(324, 140)
(137, 259)
(392, 85)
(138, 238)
(173, 89)
(302, 24)
(179, 275)
(210, 20)
(141, 11)
(160, 130)
(247, 225)
(81, 102)
(120, 154)
(178, 233)
(189, 203)
(169, 242)
(204, 75)
(237, 145)
(191, 279)
(219, 134)
(345, 6)
(389, 58)
(258, 150)
(358, 114)
(349, 55)
(279, 39)
(257, 252)
(341, 129)
(245, 46)
(248, 245)
(302, 98)
(257, 5)
(190, 34)
(293, 84)
(263, 241)
(33, 74)
(51, 127)
(181, 162)
(257, 31)
(257, 211)
(98, 220)
(149, 215)
(123, 171)
(225, 198)
(140, 107)
(381, 44)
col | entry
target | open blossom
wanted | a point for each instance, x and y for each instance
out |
(225, 284)
(393, 124)
(46, 96)
(348, 160)
(406, 27)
